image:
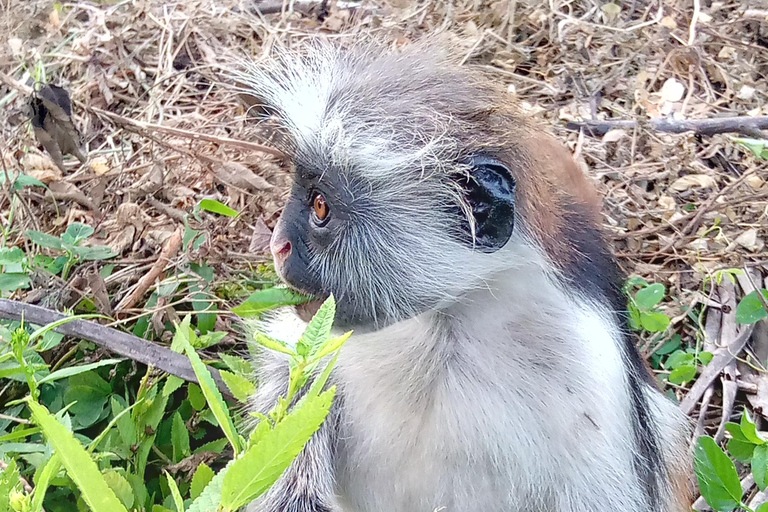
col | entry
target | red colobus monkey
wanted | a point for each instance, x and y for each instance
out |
(491, 369)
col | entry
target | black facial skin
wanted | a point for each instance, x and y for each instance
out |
(489, 192)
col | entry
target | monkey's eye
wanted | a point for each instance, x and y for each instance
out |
(321, 209)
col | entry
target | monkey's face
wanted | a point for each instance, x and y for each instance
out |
(390, 247)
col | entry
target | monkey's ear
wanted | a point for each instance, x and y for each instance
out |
(491, 194)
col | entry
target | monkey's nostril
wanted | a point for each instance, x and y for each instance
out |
(281, 251)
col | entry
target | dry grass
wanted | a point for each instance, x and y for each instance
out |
(680, 207)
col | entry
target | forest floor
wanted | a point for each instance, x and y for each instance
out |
(685, 210)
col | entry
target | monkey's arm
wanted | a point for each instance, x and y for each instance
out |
(308, 485)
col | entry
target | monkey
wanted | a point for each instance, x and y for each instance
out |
(491, 367)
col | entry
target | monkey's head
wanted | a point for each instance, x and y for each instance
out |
(400, 202)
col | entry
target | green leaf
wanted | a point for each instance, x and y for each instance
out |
(210, 498)
(749, 429)
(76, 233)
(263, 463)
(80, 467)
(319, 328)
(203, 476)
(679, 358)
(758, 147)
(24, 180)
(172, 383)
(718, 480)
(751, 309)
(9, 480)
(654, 322)
(14, 281)
(179, 438)
(120, 487)
(177, 500)
(273, 344)
(213, 206)
(43, 477)
(705, 357)
(44, 239)
(238, 365)
(208, 386)
(648, 297)
(240, 387)
(125, 426)
(760, 466)
(682, 374)
(75, 370)
(11, 256)
(762, 508)
(268, 299)
(670, 346)
(332, 345)
(196, 397)
(94, 253)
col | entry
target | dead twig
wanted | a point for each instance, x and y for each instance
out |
(178, 132)
(113, 340)
(740, 124)
(170, 249)
(722, 357)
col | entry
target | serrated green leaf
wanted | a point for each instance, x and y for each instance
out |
(177, 499)
(262, 464)
(682, 374)
(718, 480)
(319, 328)
(240, 387)
(213, 206)
(751, 309)
(238, 365)
(760, 466)
(125, 425)
(257, 434)
(202, 477)
(120, 486)
(268, 299)
(179, 438)
(273, 344)
(332, 345)
(44, 239)
(172, 383)
(80, 467)
(210, 499)
(212, 396)
(647, 298)
(43, 477)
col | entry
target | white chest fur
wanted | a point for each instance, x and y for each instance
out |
(522, 408)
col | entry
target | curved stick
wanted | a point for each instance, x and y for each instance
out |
(113, 340)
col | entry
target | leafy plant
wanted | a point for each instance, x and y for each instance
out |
(644, 313)
(110, 470)
(753, 307)
(70, 243)
(718, 478)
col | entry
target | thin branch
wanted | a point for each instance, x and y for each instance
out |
(741, 124)
(113, 340)
(178, 132)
